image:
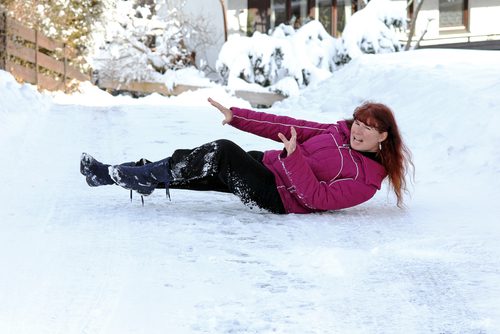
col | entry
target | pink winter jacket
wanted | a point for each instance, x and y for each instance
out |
(323, 173)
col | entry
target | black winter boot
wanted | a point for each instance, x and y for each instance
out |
(142, 179)
(95, 172)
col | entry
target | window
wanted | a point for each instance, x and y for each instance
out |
(258, 17)
(278, 8)
(299, 13)
(268, 14)
(343, 11)
(453, 14)
(326, 14)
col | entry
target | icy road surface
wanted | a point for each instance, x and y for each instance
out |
(76, 259)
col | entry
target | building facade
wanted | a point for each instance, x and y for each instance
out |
(247, 16)
(458, 21)
(439, 21)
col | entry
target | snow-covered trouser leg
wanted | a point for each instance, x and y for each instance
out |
(224, 166)
(142, 179)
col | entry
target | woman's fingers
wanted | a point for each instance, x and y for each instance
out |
(294, 134)
(215, 104)
(291, 144)
(228, 114)
(283, 138)
(293, 141)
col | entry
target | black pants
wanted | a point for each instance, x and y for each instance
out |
(223, 166)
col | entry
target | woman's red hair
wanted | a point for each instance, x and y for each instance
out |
(394, 155)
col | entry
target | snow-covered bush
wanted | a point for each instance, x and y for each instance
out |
(373, 30)
(308, 54)
(142, 42)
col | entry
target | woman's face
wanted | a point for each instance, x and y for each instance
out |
(365, 138)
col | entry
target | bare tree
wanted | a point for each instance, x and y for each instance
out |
(413, 24)
(223, 7)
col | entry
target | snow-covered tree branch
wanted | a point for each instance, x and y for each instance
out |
(143, 42)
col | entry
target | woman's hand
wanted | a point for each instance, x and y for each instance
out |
(228, 114)
(290, 145)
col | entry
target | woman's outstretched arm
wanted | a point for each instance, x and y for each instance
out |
(269, 125)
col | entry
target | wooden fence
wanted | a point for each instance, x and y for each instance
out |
(256, 99)
(34, 58)
(144, 87)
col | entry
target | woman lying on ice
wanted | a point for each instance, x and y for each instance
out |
(322, 166)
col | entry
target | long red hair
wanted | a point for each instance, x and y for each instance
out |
(393, 153)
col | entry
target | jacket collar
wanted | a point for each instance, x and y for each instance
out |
(374, 172)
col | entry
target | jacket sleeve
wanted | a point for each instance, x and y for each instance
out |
(269, 125)
(320, 195)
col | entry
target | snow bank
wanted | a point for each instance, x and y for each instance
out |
(189, 76)
(20, 98)
(19, 103)
(195, 98)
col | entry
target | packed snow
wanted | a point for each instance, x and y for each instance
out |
(76, 259)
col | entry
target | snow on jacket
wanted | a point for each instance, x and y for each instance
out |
(323, 173)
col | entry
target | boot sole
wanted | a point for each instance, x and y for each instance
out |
(86, 162)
